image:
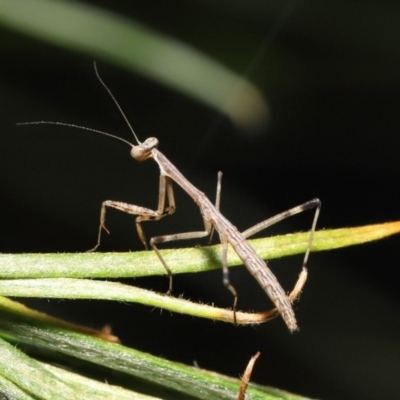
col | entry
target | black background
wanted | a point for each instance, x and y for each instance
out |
(330, 72)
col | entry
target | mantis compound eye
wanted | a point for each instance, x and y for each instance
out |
(143, 151)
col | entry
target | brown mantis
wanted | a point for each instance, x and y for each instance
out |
(212, 217)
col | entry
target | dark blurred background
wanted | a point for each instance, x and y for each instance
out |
(329, 72)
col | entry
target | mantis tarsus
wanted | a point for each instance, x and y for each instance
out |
(212, 217)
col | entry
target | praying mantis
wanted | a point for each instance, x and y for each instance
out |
(212, 217)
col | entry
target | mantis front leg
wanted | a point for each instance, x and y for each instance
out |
(144, 214)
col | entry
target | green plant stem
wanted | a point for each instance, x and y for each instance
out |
(30, 375)
(101, 34)
(188, 260)
(47, 266)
